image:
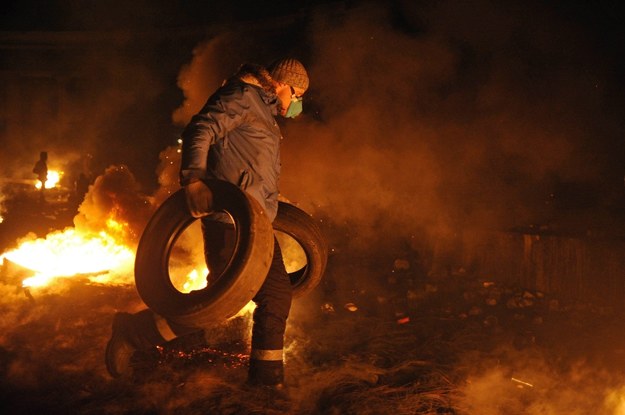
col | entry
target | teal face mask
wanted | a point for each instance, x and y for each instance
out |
(295, 108)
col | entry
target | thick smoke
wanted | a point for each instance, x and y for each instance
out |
(457, 128)
(438, 123)
(526, 383)
(115, 195)
(199, 78)
(168, 172)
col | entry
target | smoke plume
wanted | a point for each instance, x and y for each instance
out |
(115, 195)
(432, 126)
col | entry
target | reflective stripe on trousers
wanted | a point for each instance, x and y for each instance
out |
(259, 354)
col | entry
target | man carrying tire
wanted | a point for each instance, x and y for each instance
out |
(234, 138)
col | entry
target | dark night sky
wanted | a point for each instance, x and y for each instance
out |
(140, 15)
(601, 20)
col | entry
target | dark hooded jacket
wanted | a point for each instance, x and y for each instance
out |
(236, 138)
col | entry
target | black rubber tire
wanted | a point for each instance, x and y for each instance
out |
(300, 226)
(240, 280)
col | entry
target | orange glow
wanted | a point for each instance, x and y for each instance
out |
(70, 253)
(247, 310)
(113, 224)
(196, 280)
(100, 256)
(118, 229)
(292, 253)
(54, 177)
(615, 401)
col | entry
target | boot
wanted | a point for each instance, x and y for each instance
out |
(266, 373)
(131, 333)
(265, 384)
(120, 349)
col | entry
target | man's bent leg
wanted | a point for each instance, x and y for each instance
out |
(139, 331)
(273, 302)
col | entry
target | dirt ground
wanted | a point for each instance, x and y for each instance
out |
(378, 336)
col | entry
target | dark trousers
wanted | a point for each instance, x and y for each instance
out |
(273, 300)
(273, 303)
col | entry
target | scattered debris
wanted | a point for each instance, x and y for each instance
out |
(521, 384)
(327, 308)
(351, 307)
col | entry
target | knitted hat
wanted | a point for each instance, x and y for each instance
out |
(289, 71)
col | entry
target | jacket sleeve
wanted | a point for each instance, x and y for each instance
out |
(223, 112)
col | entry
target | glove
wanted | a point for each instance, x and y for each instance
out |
(199, 199)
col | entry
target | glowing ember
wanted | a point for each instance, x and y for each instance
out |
(205, 354)
(70, 253)
(521, 383)
(53, 179)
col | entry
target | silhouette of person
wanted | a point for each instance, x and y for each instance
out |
(82, 186)
(41, 170)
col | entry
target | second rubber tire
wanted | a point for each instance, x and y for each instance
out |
(300, 226)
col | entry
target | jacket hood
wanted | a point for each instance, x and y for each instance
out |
(258, 76)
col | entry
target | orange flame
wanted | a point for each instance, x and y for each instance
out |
(69, 253)
(196, 280)
(54, 177)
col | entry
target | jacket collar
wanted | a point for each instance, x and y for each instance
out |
(269, 97)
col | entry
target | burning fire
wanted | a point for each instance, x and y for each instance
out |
(54, 177)
(71, 253)
(196, 280)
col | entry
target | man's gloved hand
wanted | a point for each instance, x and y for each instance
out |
(199, 198)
